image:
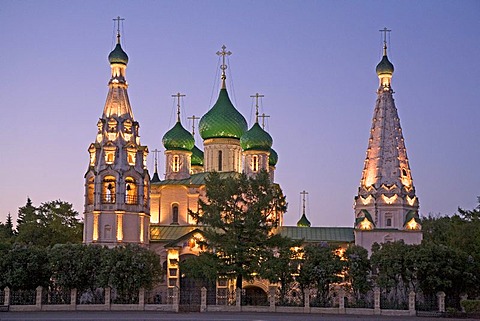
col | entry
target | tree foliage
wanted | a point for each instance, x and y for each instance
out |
(239, 215)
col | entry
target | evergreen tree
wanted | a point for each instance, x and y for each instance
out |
(238, 217)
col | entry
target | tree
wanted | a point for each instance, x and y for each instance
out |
(128, 268)
(7, 233)
(53, 222)
(321, 268)
(239, 215)
(358, 270)
(282, 264)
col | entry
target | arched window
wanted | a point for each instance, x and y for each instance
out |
(176, 163)
(255, 163)
(108, 191)
(175, 214)
(220, 160)
(130, 191)
(90, 190)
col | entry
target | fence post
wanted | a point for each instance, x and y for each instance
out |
(176, 299)
(272, 290)
(306, 307)
(462, 298)
(6, 299)
(238, 299)
(203, 300)
(441, 301)
(341, 301)
(141, 298)
(376, 306)
(38, 298)
(73, 299)
(108, 293)
(411, 303)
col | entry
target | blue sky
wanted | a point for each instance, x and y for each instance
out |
(313, 60)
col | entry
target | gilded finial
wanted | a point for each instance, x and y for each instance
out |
(193, 118)
(155, 152)
(117, 20)
(263, 116)
(256, 96)
(178, 95)
(223, 53)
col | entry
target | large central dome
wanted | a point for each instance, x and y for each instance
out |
(223, 120)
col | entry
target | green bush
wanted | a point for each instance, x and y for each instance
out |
(471, 306)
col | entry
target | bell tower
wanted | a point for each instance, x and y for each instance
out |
(386, 207)
(117, 182)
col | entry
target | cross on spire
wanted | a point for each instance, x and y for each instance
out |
(117, 21)
(224, 54)
(193, 118)
(303, 193)
(263, 116)
(155, 153)
(257, 95)
(178, 95)
(385, 31)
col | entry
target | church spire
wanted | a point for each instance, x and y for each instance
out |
(303, 221)
(386, 196)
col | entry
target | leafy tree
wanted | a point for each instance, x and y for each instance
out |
(53, 222)
(239, 215)
(358, 270)
(282, 264)
(129, 268)
(321, 268)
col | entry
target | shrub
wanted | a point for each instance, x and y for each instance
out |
(471, 306)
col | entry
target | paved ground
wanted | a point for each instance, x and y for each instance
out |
(218, 316)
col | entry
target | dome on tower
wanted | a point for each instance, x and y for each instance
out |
(303, 221)
(223, 120)
(384, 66)
(256, 138)
(273, 158)
(118, 56)
(197, 157)
(178, 138)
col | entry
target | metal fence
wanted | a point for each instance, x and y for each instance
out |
(23, 297)
(389, 301)
(2, 297)
(56, 296)
(360, 300)
(88, 296)
(163, 296)
(128, 297)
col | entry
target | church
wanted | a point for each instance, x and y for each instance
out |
(124, 204)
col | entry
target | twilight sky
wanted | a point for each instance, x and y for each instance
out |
(313, 60)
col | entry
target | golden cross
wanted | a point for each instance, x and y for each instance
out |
(385, 31)
(178, 95)
(223, 53)
(193, 118)
(118, 19)
(155, 152)
(303, 193)
(263, 116)
(257, 95)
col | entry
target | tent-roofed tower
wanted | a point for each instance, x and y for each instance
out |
(221, 129)
(117, 181)
(386, 207)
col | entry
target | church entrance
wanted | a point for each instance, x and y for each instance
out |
(254, 295)
(191, 291)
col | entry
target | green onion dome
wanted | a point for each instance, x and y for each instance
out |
(256, 139)
(384, 66)
(222, 120)
(118, 56)
(178, 138)
(303, 222)
(197, 157)
(273, 158)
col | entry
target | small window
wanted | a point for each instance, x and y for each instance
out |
(130, 191)
(220, 160)
(255, 163)
(176, 164)
(404, 172)
(175, 214)
(90, 191)
(389, 222)
(108, 193)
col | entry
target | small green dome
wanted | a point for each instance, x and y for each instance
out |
(118, 56)
(256, 139)
(384, 66)
(273, 158)
(303, 222)
(222, 120)
(178, 138)
(197, 157)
